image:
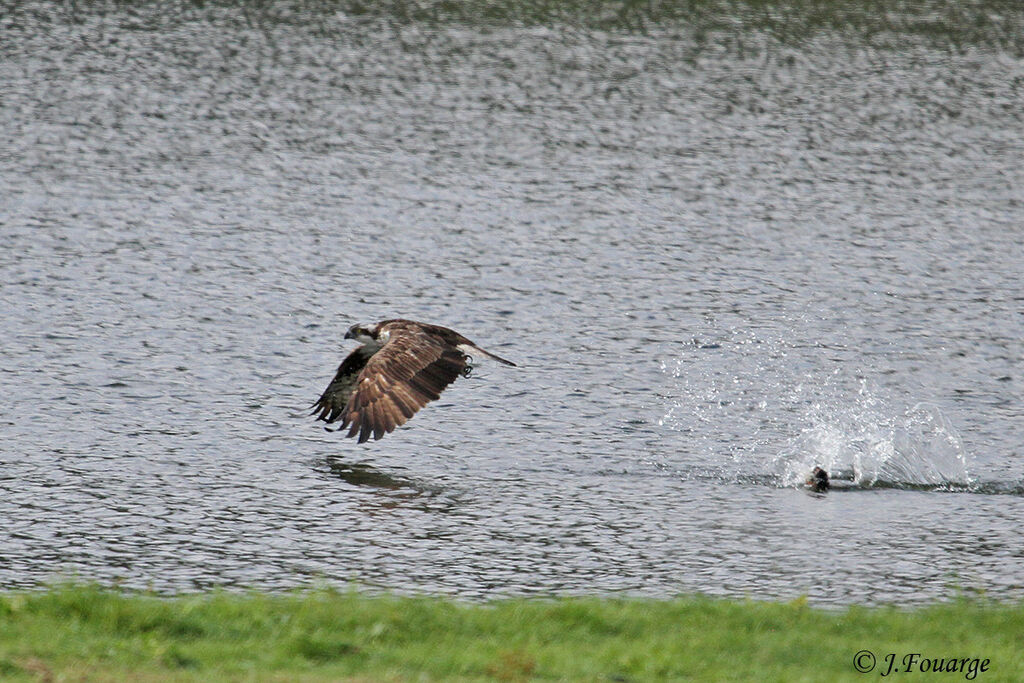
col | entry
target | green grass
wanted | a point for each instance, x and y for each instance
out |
(73, 633)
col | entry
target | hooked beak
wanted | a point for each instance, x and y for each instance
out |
(348, 335)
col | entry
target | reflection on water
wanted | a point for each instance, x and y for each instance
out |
(725, 251)
(360, 474)
(392, 490)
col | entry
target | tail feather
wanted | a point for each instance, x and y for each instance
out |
(490, 355)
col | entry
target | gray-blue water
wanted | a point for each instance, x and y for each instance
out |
(715, 267)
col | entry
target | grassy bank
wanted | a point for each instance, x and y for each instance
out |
(77, 633)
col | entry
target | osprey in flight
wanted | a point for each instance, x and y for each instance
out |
(401, 366)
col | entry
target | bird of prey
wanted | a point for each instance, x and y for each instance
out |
(401, 366)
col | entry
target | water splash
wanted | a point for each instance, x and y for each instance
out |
(732, 401)
(763, 409)
(868, 443)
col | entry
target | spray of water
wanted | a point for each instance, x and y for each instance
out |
(763, 410)
(866, 441)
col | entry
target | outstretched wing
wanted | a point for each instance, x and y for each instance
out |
(331, 405)
(409, 371)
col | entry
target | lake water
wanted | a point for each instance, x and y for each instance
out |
(718, 259)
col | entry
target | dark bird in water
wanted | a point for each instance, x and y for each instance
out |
(401, 366)
(818, 481)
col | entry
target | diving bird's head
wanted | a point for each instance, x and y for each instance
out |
(364, 334)
(818, 481)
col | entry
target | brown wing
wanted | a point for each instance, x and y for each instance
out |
(331, 404)
(408, 372)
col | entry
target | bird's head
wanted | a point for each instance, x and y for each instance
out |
(818, 481)
(364, 334)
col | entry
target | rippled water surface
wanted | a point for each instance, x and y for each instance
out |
(718, 259)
